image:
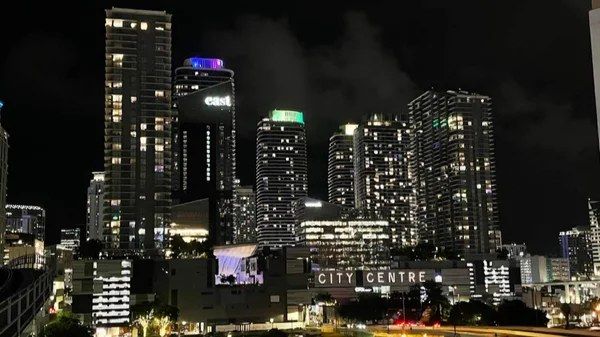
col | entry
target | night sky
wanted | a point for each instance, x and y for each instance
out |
(336, 65)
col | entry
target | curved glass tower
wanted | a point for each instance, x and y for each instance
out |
(281, 176)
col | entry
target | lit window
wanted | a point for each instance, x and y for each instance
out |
(133, 99)
(116, 160)
(159, 93)
(117, 23)
(143, 126)
(144, 25)
(133, 24)
(117, 57)
(159, 28)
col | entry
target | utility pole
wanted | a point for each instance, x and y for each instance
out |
(403, 309)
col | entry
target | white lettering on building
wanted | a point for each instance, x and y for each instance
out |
(322, 278)
(217, 101)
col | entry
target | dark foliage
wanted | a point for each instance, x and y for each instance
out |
(517, 313)
(65, 325)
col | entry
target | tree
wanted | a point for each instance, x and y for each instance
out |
(472, 313)
(274, 333)
(435, 302)
(324, 297)
(65, 325)
(91, 249)
(407, 305)
(565, 308)
(517, 313)
(502, 254)
(424, 251)
(228, 279)
(368, 307)
(447, 254)
(178, 246)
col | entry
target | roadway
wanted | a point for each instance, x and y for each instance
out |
(465, 331)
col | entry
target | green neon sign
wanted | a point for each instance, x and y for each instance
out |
(287, 116)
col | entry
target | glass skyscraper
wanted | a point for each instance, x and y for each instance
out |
(244, 215)
(95, 206)
(26, 219)
(281, 175)
(382, 182)
(3, 181)
(576, 246)
(340, 167)
(137, 128)
(594, 213)
(204, 141)
(453, 171)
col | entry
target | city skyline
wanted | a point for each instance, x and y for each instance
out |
(512, 217)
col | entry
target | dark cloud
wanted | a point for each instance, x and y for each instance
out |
(335, 64)
(333, 84)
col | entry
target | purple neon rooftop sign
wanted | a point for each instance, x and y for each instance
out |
(204, 63)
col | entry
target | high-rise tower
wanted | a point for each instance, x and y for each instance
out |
(594, 213)
(204, 141)
(382, 182)
(340, 167)
(3, 181)
(137, 128)
(453, 170)
(95, 207)
(281, 175)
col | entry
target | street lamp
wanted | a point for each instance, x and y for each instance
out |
(271, 320)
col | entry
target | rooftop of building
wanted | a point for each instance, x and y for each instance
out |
(137, 11)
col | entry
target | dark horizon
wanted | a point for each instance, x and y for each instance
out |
(336, 65)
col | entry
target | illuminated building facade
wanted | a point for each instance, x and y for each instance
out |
(382, 182)
(594, 212)
(346, 244)
(453, 171)
(137, 129)
(558, 269)
(26, 219)
(95, 206)
(191, 220)
(70, 238)
(204, 138)
(340, 166)
(281, 175)
(576, 246)
(515, 250)
(101, 293)
(244, 215)
(500, 279)
(3, 181)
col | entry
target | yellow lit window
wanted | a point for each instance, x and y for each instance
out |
(144, 25)
(159, 93)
